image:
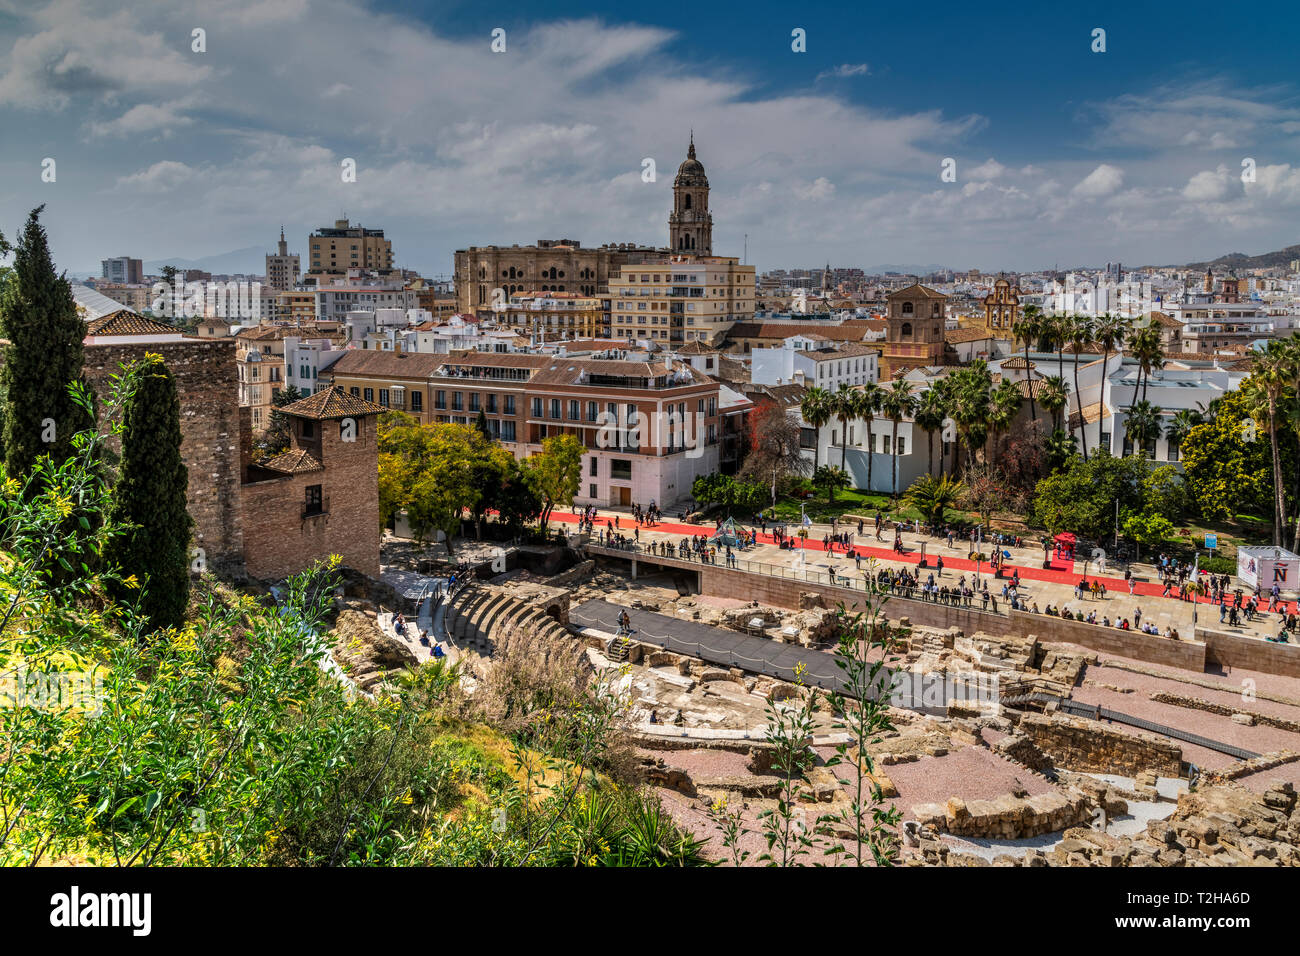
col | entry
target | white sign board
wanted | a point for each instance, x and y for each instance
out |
(1264, 567)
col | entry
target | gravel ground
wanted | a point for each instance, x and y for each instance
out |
(971, 773)
(1217, 727)
(704, 763)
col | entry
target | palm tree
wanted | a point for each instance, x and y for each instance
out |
(866, 403)
(933, 496)
(1184, 420)
(1053, 394)
(897, 404)
(1060, 447)
(931, 410)
(830, 479)
(1004, 405)
(816, 411)
(970, 391)
(1056, 334)
(1150, 354)
(1029, 328)
(1079, 335)
(1271, 374)
(1292, 352)
(1110, 331)
(1143, 424)
(844, 407)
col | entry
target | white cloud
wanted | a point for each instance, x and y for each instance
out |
(989, 169)
(162, 176)
(844, 71)
(1210, 185)
(1102, 181)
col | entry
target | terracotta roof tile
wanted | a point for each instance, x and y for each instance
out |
(296, 462)
(332, 403)
(126, 322)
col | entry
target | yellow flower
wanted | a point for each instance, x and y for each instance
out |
(130, 581)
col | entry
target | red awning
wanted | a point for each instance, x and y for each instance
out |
(1065, 537)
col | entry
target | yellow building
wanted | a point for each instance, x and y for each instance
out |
(681, 299)
(581, 316)
(343, 247)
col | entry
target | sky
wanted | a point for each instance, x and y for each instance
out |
(1063, 156)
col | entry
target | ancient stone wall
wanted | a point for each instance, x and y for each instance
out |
(1093, 747)
(205, 376)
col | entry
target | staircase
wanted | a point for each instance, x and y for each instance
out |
(477, 615)
(618, 649)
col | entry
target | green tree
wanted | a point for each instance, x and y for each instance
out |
(1083, 496)
(830, 479)
(1143, 423)
(866, 403)
(1151, 530)
(150, 494)
(844, 406)
(1029, 329)
(481, 423)
(1270, 377)
(43, 356)
(817, 407)
(1109, 332)
(896, 404)
(1053, 394)
(278, 430)
(931, 410)
(1227, 463)
(932, 496)
(555, 472)
(1078, 334)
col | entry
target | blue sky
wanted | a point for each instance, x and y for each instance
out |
(1063, 155)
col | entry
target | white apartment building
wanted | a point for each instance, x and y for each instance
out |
(305, 359)
(814, 360)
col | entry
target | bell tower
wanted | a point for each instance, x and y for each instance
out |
(690, 224)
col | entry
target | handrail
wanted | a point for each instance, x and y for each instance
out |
(780, 571)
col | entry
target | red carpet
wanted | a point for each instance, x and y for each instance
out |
(1061, 572)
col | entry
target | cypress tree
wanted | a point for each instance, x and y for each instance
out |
(149, 497)
(481, 423)
(38, 317)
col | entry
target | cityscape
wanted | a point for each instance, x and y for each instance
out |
(543, 443)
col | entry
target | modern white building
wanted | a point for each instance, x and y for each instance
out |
(814, 360)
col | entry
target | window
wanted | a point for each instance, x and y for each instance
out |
(537, 408)
(417, 401)
(369, 394)
(574, 406)
(440, 399)
(457, 401)
(510, 405)
(902, 445)
(591, 491)
(885, 441)
(492, 404)
(906, 331)
(1173, 452)
(473, 401)
(356, 392)
(620, 468)
(595, 467)
(308, 428)
(555, 408)
(313, 502)
(508, 430)
(591, 411)
(383, 397)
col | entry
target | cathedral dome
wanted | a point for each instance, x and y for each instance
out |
(691, 171)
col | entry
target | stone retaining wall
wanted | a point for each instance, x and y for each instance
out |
(1007, 817)
(1251, 653)
(1093, 747)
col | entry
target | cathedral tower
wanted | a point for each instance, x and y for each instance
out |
(690, 225)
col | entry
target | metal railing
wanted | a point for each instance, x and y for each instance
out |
(823, 576)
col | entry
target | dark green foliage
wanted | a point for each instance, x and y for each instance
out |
(38, 318)
(149, 497)
(276, 439)
(481, 423)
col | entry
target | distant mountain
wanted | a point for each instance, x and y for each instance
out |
(1239, 260)
(251, 260)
